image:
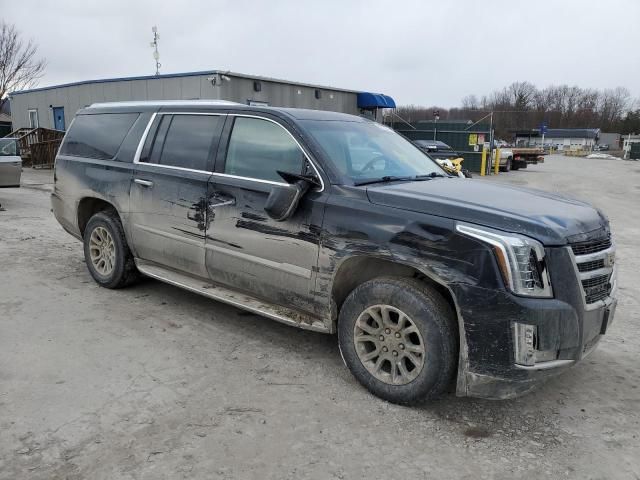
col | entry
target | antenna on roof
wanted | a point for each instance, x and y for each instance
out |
(154, 45)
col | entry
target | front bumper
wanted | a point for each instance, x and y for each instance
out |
(566, 327)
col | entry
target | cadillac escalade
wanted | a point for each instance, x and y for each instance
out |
(337, 224)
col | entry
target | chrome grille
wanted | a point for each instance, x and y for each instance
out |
(595, 268)
(592, 246)
(592, 265)
(596, 288)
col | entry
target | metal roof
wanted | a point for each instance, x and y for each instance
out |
(179, 75)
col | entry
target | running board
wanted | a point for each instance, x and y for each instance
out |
(225, 295)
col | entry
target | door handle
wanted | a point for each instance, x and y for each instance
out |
(222, 204)
(144, 183)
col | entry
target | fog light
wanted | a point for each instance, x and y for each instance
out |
(524, 343)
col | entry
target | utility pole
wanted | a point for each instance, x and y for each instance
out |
(154, 45)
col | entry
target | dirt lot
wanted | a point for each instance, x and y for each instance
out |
(154, 382)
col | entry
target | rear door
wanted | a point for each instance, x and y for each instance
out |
(246, 249)
(169, 189)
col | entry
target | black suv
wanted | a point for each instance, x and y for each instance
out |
(335, 223)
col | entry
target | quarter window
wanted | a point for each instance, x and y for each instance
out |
(98, 135)
(259, 148)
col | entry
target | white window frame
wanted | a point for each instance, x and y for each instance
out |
(29, 112)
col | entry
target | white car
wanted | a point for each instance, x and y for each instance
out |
(10, 163)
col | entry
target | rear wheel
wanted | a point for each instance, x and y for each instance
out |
(107, 253)
(398, 338)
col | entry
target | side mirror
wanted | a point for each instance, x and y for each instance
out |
(283, 199)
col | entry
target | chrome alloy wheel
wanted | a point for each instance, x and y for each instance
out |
(389, 344)
(102, 251)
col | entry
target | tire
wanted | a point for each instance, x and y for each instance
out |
(466, 173)
(507, 167)
(435, 328)
(106, 226)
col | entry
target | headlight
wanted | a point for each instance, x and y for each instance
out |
(521, 260)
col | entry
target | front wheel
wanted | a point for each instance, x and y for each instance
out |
(107, 253)
(507, 167)
(398, 338)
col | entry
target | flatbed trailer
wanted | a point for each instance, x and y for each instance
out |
(528, 155)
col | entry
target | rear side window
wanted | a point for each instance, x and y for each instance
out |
(259, 148)
(97, 136)
(184, 141)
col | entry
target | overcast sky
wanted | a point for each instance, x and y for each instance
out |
(419, 52)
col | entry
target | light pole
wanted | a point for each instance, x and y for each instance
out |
(436, 117)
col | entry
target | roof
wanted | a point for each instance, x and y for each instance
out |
(434, 143)
(180, 75)
(151, 105)
(163, 103)
(560, 133)
(4, 118)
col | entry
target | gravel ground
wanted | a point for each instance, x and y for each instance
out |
(154, 382)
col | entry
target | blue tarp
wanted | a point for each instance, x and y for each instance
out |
(375, 100)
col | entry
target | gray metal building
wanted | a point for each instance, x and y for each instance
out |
(54, 107)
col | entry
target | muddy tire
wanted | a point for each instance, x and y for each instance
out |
(398, 337)
(107, 253)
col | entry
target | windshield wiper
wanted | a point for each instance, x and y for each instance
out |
(431, 175)
(386, 178)
(391, 178)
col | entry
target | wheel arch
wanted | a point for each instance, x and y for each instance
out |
(355, 270)
(88, 207)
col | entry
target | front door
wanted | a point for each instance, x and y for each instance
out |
(169, 189)
(58, 118)
(246, 249)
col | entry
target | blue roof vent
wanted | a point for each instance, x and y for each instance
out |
(370, 101)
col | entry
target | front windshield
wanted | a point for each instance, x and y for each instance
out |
(8, 147)
(367, 150)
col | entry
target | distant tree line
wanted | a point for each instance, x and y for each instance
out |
(522, 105)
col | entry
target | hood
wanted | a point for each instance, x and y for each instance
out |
(552, 219)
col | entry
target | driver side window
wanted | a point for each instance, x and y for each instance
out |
(259, 148)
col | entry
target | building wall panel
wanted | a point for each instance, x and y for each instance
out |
(238, 89)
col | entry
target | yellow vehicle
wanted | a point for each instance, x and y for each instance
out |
(446, 157)
(453, 166)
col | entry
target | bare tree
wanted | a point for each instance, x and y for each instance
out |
(522, 95)
(19, 66)
(470, 102)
